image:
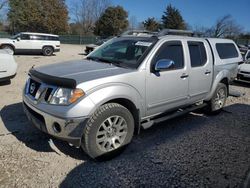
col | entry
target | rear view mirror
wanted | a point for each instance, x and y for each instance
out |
(164, 64)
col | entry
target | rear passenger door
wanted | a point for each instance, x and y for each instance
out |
(200, 69)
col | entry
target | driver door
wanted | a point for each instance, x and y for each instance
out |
(167, 89)
(23, 43)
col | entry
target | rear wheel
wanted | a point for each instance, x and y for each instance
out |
(47, 51)
(218, 100)
(108, 131)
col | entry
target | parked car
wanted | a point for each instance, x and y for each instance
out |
(8, 65)
(244, 69)
(91, 47)
(37, 43)
(128, 83)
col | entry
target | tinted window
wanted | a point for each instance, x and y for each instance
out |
(44, 37)
(171, 50)
(226, 50)
(197, 53)
(25, 37)
(37, 37)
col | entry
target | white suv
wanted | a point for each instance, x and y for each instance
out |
(25, 42)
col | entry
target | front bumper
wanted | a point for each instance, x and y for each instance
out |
(57, 50)
(70, 129)
(243, 77)
(7, 78)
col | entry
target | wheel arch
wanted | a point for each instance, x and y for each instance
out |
(132, 108)
(7, 44)
(222, 77)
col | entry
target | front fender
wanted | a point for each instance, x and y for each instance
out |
(219, 77)
(117, 91)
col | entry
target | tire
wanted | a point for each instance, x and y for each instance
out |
(8, 47)
(109, 130)
(216, 104)
(48, 51)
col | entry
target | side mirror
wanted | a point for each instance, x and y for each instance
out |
(164, 64)
(18, 39)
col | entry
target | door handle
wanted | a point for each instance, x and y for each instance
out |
(184, 75)
(207, 72)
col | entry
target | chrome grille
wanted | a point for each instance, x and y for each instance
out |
(39, 91)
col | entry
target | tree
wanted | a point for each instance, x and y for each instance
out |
(113, 22)
(225, 27)
(87, 12)
(172, 18)
(151, 24)
(2, 4)
(49, 16)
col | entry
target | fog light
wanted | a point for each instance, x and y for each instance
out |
(56, 127)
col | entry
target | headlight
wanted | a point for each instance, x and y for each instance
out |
(64, 96)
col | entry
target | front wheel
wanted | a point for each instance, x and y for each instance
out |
(218, 100)
(108, 131)
(9, 48)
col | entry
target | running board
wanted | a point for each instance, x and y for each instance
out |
(171, 115)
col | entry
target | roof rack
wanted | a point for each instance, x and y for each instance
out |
(138, 33)
(175, 32)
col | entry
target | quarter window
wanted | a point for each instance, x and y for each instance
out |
(226, 50)
(197, 51)
(173, 51)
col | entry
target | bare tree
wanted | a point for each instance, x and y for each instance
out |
(87, 12)
(225, 27)
(2, 4)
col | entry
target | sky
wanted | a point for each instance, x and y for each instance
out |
(195, 12)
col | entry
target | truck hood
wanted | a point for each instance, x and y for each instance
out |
(244, 67)
(82, 70)
(5, 40)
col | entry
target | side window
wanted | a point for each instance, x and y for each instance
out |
(226, 50)
(197, 51)
(25, 37)
(37, 37)
(172, 50)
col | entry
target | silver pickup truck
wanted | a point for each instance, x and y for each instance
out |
(129, 82)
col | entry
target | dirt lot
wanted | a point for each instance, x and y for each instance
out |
(190, 151)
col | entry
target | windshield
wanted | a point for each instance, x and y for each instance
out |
(15, 36)
(126, 52)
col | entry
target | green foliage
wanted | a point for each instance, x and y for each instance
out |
(151, 24)
(113, 22)
(172, 18)
(49, 16)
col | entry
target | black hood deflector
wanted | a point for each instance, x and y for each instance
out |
(52, 80)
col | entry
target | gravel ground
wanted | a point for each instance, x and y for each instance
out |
(190, 151)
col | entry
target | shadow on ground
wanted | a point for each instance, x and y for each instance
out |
(5, 82)
(190, 151)
(241, 84)
(17, 123)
